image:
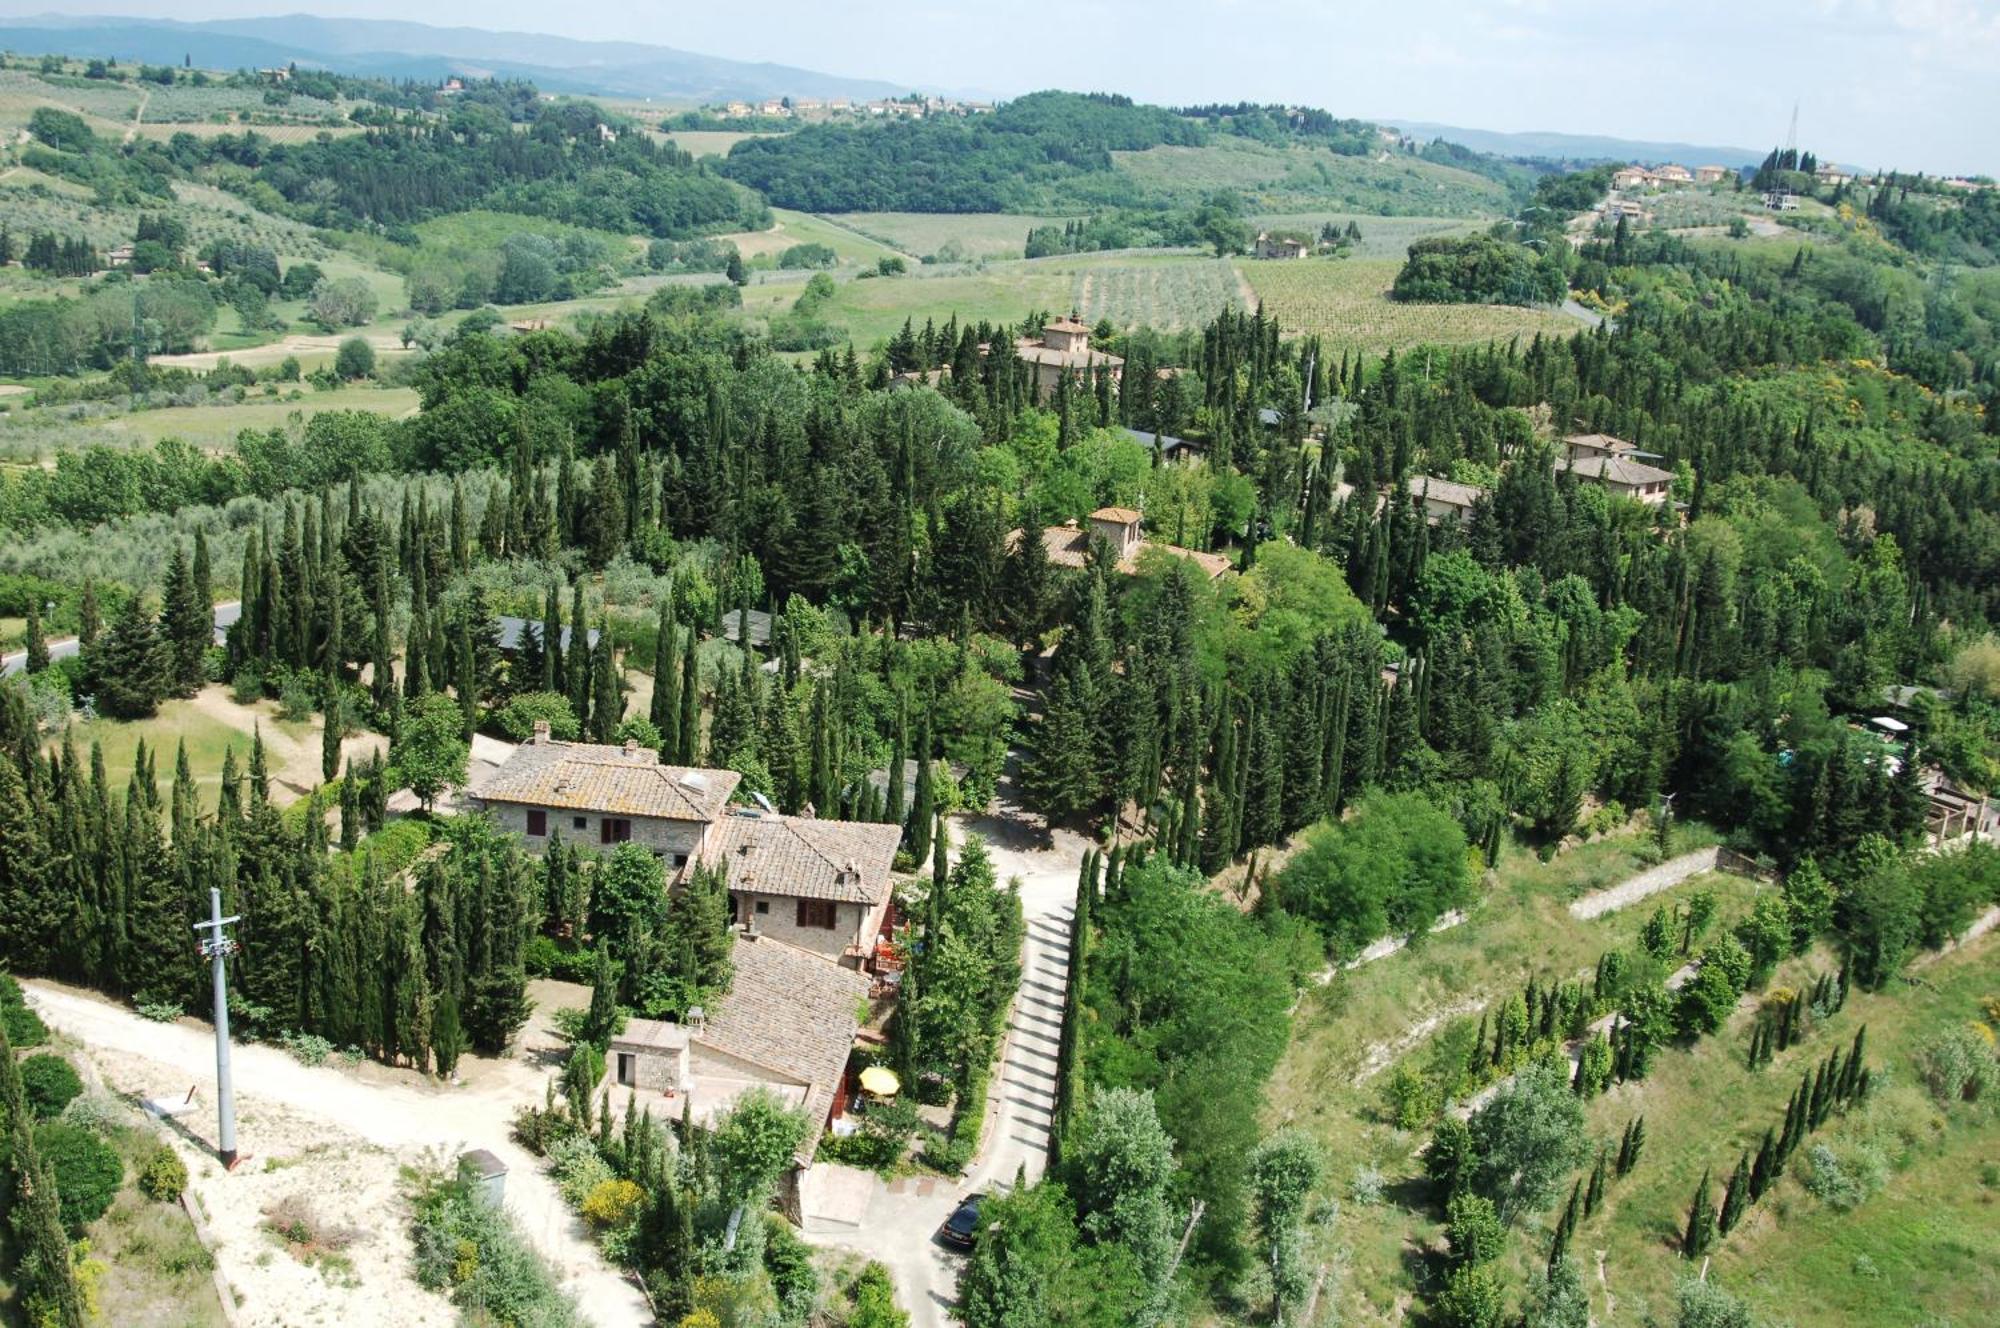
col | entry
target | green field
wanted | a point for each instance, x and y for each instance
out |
(1381, 237)
(1160, 290)
(792, 228)
(705, 142)
(1298, 178)
(35, 435)
(207, 740)
(1914, 1254)
(977, 234)
(1346, 301)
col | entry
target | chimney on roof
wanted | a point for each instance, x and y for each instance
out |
(631, 749)
(697, 1021)
(541, 731)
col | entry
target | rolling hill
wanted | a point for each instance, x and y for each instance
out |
(416, 50)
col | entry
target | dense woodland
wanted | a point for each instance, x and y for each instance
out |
(1418, 701)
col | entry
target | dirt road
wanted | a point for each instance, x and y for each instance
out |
(411, 1120)
(1649, 882)
(902, 1221)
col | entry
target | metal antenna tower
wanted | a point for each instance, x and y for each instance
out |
(217, 946)
(1792, 140)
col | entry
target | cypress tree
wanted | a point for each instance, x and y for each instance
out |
(89, 620)
(1736, 1196)
(607, 702)
(690, 731)
(924, 806)
(37, 647)
(46, 1272)
(1850, 1076)
(1763, 1169)
(552, 643)
(1700, 1232)
(329, 731)
(898, 758)
(1593, 1196)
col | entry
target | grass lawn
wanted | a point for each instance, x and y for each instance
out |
(1925, 1250)
(1346, 301)
(706, 142)
(207, 738)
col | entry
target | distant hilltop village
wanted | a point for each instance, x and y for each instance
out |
(914, 107)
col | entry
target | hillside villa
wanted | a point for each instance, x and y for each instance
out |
(1444, 500)
(1282, 246)
(1068, 544)
(1623, 477)
(787, 1026)
(1064, 351)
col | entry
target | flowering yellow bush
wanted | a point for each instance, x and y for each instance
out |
(611, 1203)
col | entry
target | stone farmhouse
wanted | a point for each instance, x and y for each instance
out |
(787, 1026)
(1069, 544)
(824, 887)
(1445, 501)
(1625, 478)
(1064, 351)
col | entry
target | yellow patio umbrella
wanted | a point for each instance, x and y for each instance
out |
(880, 1081)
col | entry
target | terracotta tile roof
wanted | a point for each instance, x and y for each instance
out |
(1618, 470)
(1444, 491)
(1123, 516)
(794, 856)
(1602, 441)
(1069, 546)
(793, 1013)
(1066, 325)
(622, 781)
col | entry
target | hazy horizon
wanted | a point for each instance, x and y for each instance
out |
(1900, 84)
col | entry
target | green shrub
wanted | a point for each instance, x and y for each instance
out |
(24, 1026)
(164, 1175)
(307, 1048)
(517, 718)
(48, 1082)
(469, 1249)
(88, 1172)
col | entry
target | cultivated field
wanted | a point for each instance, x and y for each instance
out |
(977, 234)
(1346, 301)
(792, 228)
(1293, 179)
(1381, 237)
(161, 131)
(1167, 293)
(705, 142)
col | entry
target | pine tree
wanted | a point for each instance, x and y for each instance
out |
(129, 668)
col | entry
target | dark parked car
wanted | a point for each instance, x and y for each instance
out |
(962, 1227)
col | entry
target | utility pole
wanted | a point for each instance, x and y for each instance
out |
(217, 945)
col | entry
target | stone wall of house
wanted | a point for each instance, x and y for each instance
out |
(672, 840)
(780, 921)
(653, 1070)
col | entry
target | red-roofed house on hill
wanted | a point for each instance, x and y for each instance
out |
(1068, 545)
(603, 795)
(823, 886)
(1065, 350)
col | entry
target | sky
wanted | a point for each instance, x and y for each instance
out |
(1910, 84)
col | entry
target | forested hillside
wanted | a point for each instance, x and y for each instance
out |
(1435, 720)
